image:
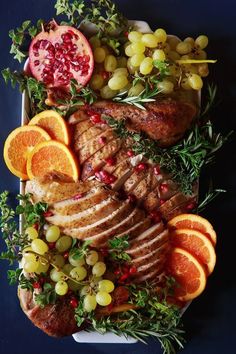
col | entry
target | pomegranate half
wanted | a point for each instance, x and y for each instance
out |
(59, 55)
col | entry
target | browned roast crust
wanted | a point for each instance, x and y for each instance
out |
(165, 120)
(55, 320)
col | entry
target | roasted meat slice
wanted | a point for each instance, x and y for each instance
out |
(165, 120)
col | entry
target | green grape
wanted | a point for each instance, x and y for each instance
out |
(26, 250)
(85, 290)
(107, 50)
(106, 285)
(110, 63)
(132, 69)
(95, 42)
(117, 82)
(203, 70)
(149, 40)
(173, 41)
(32, 233)
(42, 267)
(121, 71)
(161, 35)
(136, 90)
(67, 268)
(90, 303)
(166, 86)
(174, 70)
(124, 89)
(39, 246)
(58, 260)
(138, 48)
(78, 273)
(99, 269)
(137, 59)
(103, 298)
(193, 69)
(53, 233)
(121, 62)
(166, 48)
(61, 288)
(172, 55)
(190, 40)
(185, 84)
(94, 282)
(56, 275)
(146, 66)
(195, 81)
(91, 258)
(201, 41)
(76, 262)
(73, 285)
(30, 266)
(159, 54)
(30, 257)
(135, 36)
(129, 50)
(200, 55)
(96, 82)
(183, 48)
(63, 243)
(99, 55)
(108, 93)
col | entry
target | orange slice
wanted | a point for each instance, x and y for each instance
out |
(54, 125)
(19, 143)
(195, 222)
(52, 156)
(188, 273)
(197, 244)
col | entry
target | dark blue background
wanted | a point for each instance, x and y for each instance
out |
(210, 321)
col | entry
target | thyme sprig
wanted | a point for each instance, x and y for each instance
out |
(117, 247)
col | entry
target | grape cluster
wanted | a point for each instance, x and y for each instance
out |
(79, 274)
(186, 62)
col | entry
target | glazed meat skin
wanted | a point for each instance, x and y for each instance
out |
(165, 120)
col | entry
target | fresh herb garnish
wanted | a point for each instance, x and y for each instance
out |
(79, 313)
(33, 213)
(47, 296)
(117, 247)
(209, 197)
(79, 252)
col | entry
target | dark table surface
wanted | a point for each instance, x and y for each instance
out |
(210, 320)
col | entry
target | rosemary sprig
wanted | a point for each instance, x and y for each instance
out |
(209, 197)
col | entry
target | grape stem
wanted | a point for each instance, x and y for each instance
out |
(195, 61)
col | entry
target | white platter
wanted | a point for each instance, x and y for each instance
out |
(83, 336)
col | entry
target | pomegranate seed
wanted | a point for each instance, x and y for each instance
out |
(155, 216)
(47, 214)
(66, 255)
(102, 140)
(162, 201)
(95, 118)
(126, 34)
(74, 303)
(164, 187)
(112, 179)
(36, 226)
(141, 167)
(131, 198)
(78, 196)
(51, 245)
(105, 177)
(117, 272)
(36, 62)
(132, 270)
(191, 206)
(125, 269)
(66, 37)
(104, 251)
(156, 170)
(105, 75)
(130, 153)
(110, 161)
(110, 307)
(124, 277)
(42, 280)
(36, 285)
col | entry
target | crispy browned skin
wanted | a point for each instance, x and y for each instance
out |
(165, 120)
(55, 320)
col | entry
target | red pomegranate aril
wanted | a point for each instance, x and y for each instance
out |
(110, 161)
(155, 216)
(162, 201)
(124, 277)
(36, 62)
(102, 140)
(96, 118)
(104, 252)
(191, 206)
(130, 153)
(48, 214)
(157, 170)
(66, 255)
(164, 187)
(74, 303)
(141, 167)
(78, 196)
(131, 198)
(112, 179)
(36, 285)
(36, 226)
(51, 245)
(117, 271)
(132, 270)
(105, 75)
(66, 37)
(110, 307)
(126, 34)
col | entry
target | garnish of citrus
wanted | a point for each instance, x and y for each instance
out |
(188, 272)
(18, 145)
(197, 244)
(54, 125)
(194, 222)
(52, 156)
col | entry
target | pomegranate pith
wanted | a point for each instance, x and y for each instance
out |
(62, 54)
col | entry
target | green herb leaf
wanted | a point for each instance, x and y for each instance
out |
(47, 296)
(78, 253)
(117, 247)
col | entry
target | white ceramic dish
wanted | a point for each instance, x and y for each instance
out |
(83, 336)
